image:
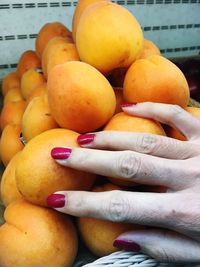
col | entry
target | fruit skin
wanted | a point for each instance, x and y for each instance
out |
(31, 79)
(12, 112)
(27, 60)
(38, 175)
(98, 235)
(149, 49)
(115, 38)
(36, 236)
(13, 95)
(58, 50)
(10, 81)
(37, 118)
(10, 143)
(173, 133)
(80, 97)
(156, 79)
(38, 91)
(48, 32)
(9, 191)
(82, 4)
(124, 122)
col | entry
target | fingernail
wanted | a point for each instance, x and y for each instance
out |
(56, 200)
(61, 152)
(127, 245)
(85, 139)
(127, 105)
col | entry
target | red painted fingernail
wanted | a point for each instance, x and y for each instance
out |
(85, 139)
(56, 200)
(127, 245)
(61, 152)
(127, 105)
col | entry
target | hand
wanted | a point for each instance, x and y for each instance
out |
(146, 159)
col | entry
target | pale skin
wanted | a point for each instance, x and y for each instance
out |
(152, 160)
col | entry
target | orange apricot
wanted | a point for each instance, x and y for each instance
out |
(10, 81)
(13, 95)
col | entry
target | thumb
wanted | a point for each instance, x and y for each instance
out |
(162, 245)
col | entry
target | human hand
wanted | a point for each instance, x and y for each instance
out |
(146, 159)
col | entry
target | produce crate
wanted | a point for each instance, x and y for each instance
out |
(174, 25)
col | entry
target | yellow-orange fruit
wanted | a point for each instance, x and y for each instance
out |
(80, 97)
(149, 49)
(35, 236)
(30, 80)
(38, 175)
(10, 81)
(82, 4)
(10, 143)
(27, 60)
(12, 112)
(37, 118)
(9, 191)
(13, 95)
(114, 38)
(98, 235)
(57, 54)
(40, 90)
(173, 133)
(48, 32)
(156, 79)
(125, 122)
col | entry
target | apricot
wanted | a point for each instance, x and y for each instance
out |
(58, 50)
(13, 95)
(98, 235)
(10, 81)
(82, 4)
(27, 60)
(80, 97)
(30, 80)
(47, 32)
(38, 175)
(40, 90)
(36, 236)
(12, 112)
(9, 191)
(156, 79)
(114, 38)
(173, 133)
(129, 123)
(37, 118)
(10, 143)
(149, 49)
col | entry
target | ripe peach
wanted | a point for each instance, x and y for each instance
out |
(27, 60)
(9, 191)
(10, 81)
(156, 79)
(38, 175)
(35, 236)
(47, 32)
(114, 38)
(81, 99)
(10, 143)
(149, 49)
(37, 118)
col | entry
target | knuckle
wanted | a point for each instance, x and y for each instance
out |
(148, 144)
(117, 207)
(175, 110)
(128, 165)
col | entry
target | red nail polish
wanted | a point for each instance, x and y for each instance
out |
(56, 200)
(61, 152)
(85, 139)
(127, 245)
(127, 105)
